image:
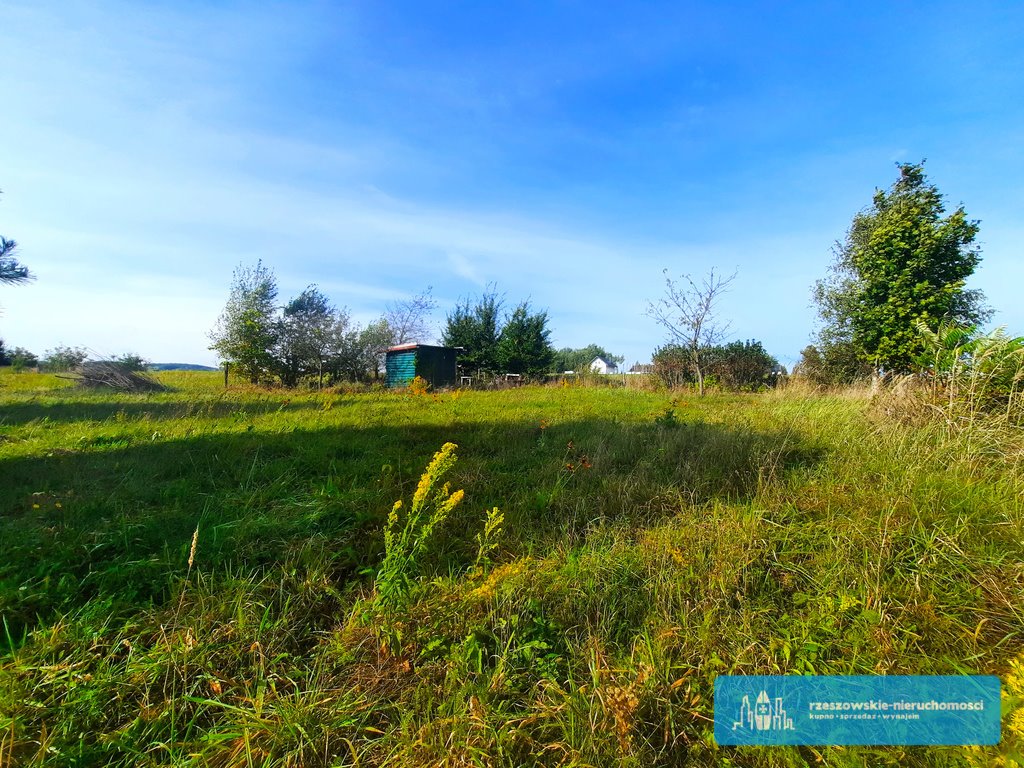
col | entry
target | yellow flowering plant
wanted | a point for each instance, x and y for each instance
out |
(406, 533)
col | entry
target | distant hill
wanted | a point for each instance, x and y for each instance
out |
(180, 367)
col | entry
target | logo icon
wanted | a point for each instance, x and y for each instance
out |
(763, 715)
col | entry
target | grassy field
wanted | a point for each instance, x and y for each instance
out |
(203, 577)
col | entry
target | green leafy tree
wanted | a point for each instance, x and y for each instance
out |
(247, 329)
(474, 327)
(311, 335)
(524, 345)
(902, 261)
(21, 358)
(131, 362)
(371, 345)
(837, 364)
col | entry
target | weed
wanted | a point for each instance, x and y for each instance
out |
(667, 418)
(487, 539)
(406, 535)
(418, 387)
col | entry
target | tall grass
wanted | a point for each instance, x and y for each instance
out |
(640, 556)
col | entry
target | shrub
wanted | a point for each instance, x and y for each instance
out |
(131, 362)
(742, 365)
(21, 359)
(739, 365)
(61, 358)
(973, 371)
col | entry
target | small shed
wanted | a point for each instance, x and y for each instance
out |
(436, 365)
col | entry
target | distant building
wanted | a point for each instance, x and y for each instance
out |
(642, 368)
(436, 365)
(600, 365)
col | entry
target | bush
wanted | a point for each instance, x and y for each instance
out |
(832, 365)
(973, 371)
(20, 359)
(742, 365)
(739, 365)
(672, 365)
(61, 359)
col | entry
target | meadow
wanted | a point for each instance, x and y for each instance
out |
(222, 577)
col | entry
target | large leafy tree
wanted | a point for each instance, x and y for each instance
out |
(247, 329)
(524, 345)
(311, 335)
(22, 358)
(903, 261)
(474, 327)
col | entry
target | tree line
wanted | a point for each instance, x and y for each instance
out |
(308, 337)
(895, 289)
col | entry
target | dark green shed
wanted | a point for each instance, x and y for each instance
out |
(434, 364)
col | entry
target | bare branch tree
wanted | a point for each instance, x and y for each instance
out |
(687, 313)
(409, 319)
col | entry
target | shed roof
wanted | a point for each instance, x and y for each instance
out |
(414, 345)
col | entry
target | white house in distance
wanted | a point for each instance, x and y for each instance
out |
(600, 365)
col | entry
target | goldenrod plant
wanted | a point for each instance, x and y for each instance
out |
(409, 528)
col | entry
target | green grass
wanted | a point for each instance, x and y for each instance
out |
(648, 545)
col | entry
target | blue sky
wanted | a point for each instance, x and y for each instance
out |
(566, 151)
